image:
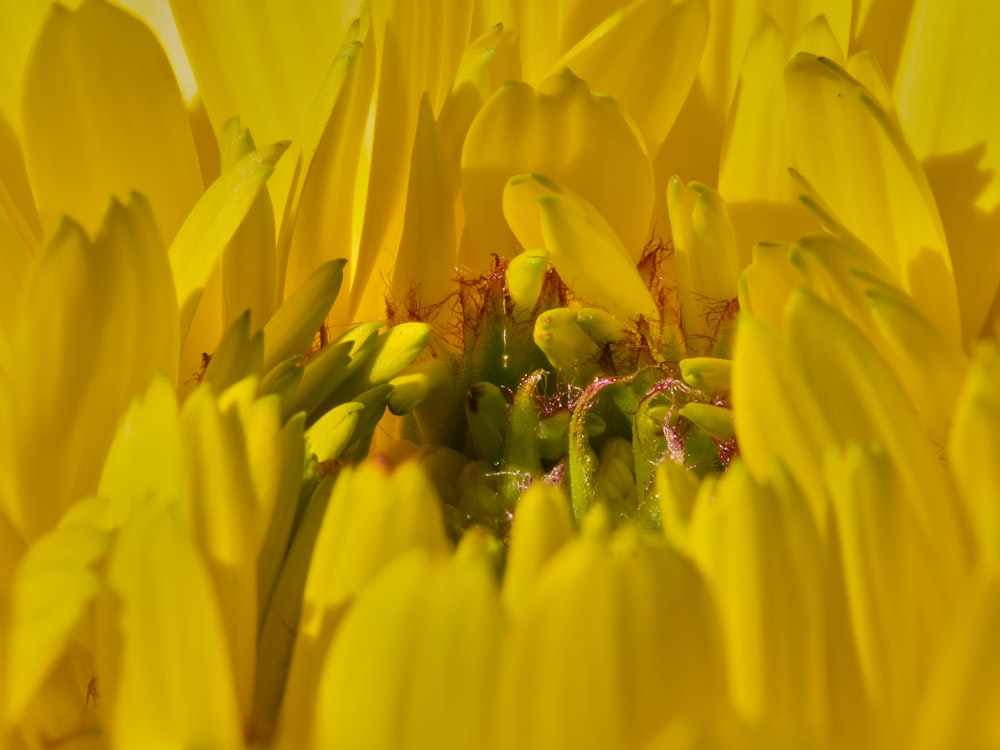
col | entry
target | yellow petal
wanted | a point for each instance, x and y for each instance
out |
(128, 124)
(213, 222)
(952, 125)
(776, 415)
(930, 364)
(323, 215)
(247, 266)
(756, 151)
(291, 329)
(17, 251)
(767, 282)
(86, 305)
(17, 197)
(562, 130)
(54, 585)
(271, 83)
(962, 687)
(428, 248)
(650, 36)
(191, 702)
(854, 155)
(584, 249)
(20, 23)
(728, 40)
(542, 525)
(145, 459)
(400, 512)
(897, 600)
(973, 439)
(864, 401)
(945, 82)
(412, 663)
(411, 64)
(760, 551)
(219, 505)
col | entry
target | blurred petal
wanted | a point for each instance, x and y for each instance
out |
(413, 663)
(89, 307)
(109, 128)
(54, 584)
(956, 709)
(973, 441)
(775, 415)
(760, 552)
(373, 518)
(542, 525)
(190, 699)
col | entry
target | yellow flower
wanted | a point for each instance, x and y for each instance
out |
(623, 515)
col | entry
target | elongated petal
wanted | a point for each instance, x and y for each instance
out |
(854, 155)
(574, 137)
(895, 616)
(86, 305)
(756, 151)
(411, 64)
(766, 383)
(428, 248)
(220, 506)
(109, 128)
(213, 222)
(542, 525)
(863, 401)
(760, 552)
(248, 265)
(17, 251)
(322, 214)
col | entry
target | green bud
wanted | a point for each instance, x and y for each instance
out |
(486, 414)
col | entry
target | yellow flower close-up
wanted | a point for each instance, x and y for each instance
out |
(499, 374)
